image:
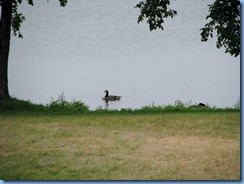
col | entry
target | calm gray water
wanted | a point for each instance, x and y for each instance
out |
(90, 46)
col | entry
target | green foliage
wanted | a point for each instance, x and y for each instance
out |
(18, 18)
(15, 105)
(62, 104)
(63, 2)
(155, 11)
(160, 109)
(224, 17)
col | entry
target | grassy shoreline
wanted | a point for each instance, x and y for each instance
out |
(61, 106)
(152, 143)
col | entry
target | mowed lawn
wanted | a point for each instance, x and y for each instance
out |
(169, 146)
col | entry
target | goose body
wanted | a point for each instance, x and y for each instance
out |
(108, 97)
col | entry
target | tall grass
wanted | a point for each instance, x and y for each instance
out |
(59, 105)
(77, 106)
(62, 104)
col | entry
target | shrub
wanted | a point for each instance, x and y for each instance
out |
(62, 104)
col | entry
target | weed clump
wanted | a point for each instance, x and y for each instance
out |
(64, 105)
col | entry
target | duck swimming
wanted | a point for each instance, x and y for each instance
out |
(108, 97)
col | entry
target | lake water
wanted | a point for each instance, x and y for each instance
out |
(90, 46)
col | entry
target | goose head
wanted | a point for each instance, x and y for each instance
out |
(106, 93)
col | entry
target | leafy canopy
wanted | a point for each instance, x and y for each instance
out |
(155, 11)
(224, 17)
(18, 18)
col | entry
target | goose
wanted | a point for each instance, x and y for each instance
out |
(108, 97)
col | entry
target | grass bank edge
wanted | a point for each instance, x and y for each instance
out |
(61, 106)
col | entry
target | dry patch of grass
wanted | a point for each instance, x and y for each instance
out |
(114, 147)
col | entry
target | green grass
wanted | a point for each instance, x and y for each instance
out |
(67, 141)
(61, 106)
(164, 146)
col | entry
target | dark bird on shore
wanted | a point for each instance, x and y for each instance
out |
(199, 105)
(108, 97)
(202, 104)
